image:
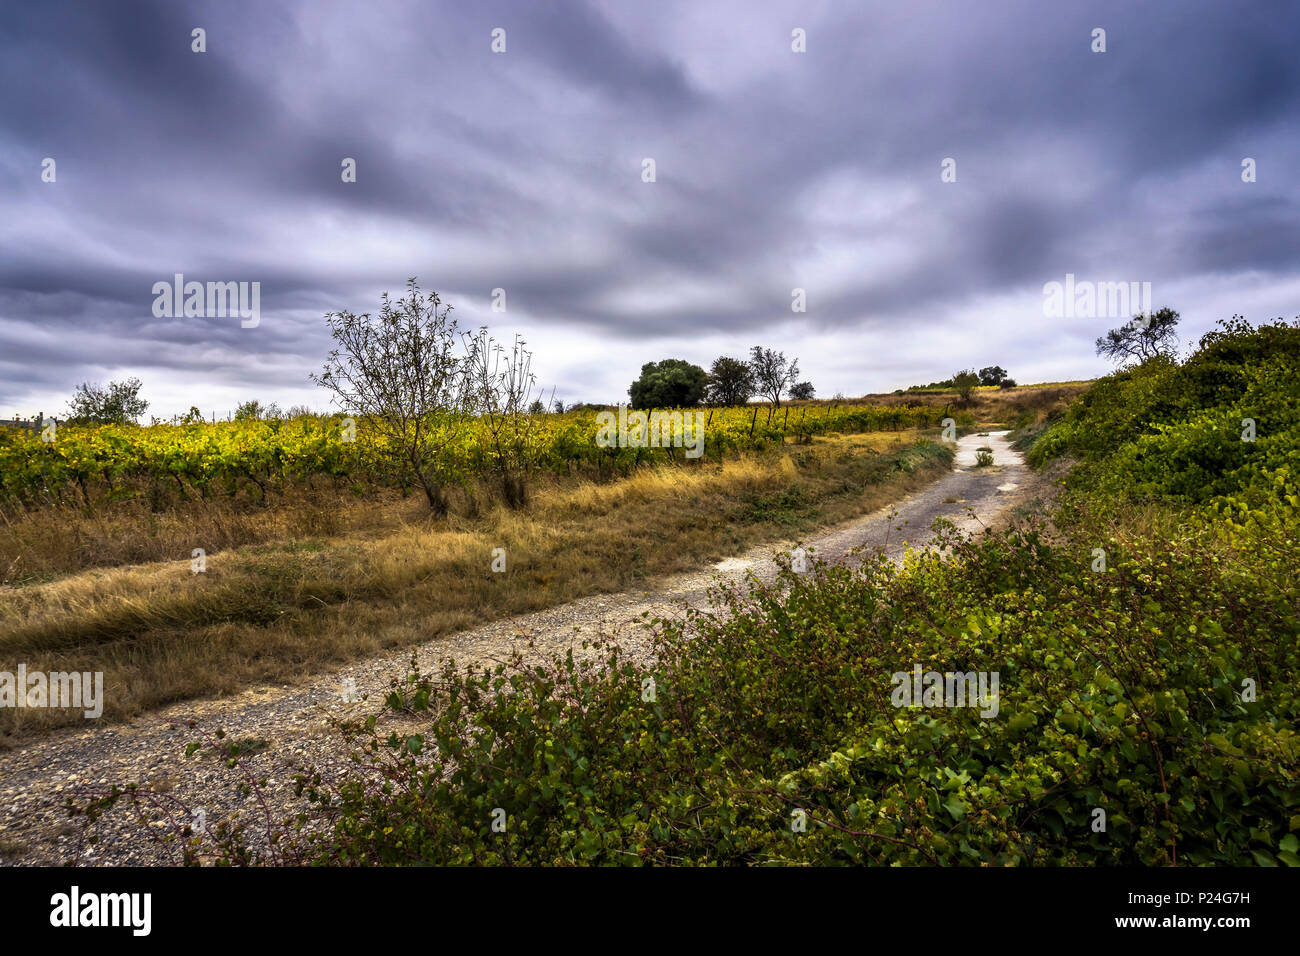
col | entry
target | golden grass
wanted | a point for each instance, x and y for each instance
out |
(392, 576)
(44, 544)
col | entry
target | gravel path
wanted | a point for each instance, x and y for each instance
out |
(36, 779)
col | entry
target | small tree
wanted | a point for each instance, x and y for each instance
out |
(731, 382)
(498, 388)
(772, 373)
(992, 375)
(803, 391)
(964, 383)
(672, 383)
(1144, 336)
(399, 372)
(118, 404)
(253, 410)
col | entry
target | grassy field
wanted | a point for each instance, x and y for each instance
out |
(321, 579)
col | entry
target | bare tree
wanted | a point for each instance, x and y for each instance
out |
(1144, 337)
(399, 374)
(500, 390)
(772, 373)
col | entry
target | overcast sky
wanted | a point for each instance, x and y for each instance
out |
(523, 170)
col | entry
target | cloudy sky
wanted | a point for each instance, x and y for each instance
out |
(523, 170)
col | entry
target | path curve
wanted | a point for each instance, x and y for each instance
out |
(36, 778)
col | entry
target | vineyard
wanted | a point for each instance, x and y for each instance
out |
(96, 464)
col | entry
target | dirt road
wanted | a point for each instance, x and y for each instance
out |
(289, 723)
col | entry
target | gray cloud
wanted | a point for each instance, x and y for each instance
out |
(775, 170)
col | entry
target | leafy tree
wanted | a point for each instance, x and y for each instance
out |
(964, 382)
(558, 407)
(992, 375)
(1145, 336)
(671, 383)
(772, 373)
(400, 371)
(118, 404)
(731, 382)
(253, 410)
(1007, 383)
(537, 408)
(803, 391)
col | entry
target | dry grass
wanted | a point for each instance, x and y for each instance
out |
(45, 544)
(994, 406)
(390, 576)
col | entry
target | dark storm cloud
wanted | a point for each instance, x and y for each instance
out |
(522, 171)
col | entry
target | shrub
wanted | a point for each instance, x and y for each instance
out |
(965, 383)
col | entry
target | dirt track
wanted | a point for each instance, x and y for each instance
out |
(35, 779)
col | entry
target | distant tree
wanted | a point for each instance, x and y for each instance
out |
(298, 411)
(537, 408)
(933, 386)
(964, 383)
(671, 383)
(1144, 336)
(772, 373)
(253, 410)
(558, 407)
(803, 391)
(118, 404)
(192, 417)
(731, 382)
(992, 375)
(1007, 383)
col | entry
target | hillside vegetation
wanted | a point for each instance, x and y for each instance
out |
(1145, 641)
